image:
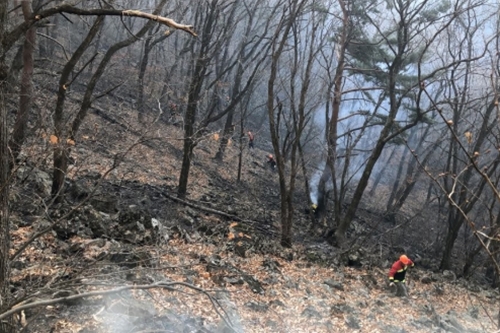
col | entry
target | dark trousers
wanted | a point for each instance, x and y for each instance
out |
(401, 290)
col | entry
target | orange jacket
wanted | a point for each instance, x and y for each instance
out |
(397, 272)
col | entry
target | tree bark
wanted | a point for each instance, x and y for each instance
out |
(61, 150)
(5, 325)
(462, 199)
(380, 174)
(236, 90)
(390, 213)
(148, 46)
(26, 94)
(385, 134)
(281, 37)
(196, 83)
(10, 38)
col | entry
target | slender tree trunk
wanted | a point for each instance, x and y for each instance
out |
(454, 223)
(460, 196)
(195, 85)
(61, 149)
(140, 84)
(390, 213)
(397, 179)
(189, 119)
(332, 132)
(469, 261)
(5, 326)
(323, 193)
(61, 153)
(148, 46)
(363, 182)
(4, 199)
(26, 94)
(394, 102)
(240, 154)
(281, 37)
(226, 134)
(304, 173)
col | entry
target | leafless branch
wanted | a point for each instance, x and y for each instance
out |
(164, 285)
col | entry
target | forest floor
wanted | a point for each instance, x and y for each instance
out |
(217, 266)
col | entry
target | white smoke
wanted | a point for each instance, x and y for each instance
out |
(314, 183)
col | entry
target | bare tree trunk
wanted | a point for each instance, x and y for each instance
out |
(226, 134)
(390, 213)
(4, 200)
(140, 82)
(281, 37)
(5, 326)
(240, 154)
(380, 175)
(61, 150)
(148, 46)
(209, 47)
(61, 153)
(26, 95)
(323, 193)
(306, 178)
(195, 85)
(332, 128)
(466, 201)
(385, 134)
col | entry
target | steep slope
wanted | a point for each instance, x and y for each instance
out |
(212, 262)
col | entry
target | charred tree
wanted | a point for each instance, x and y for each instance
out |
(61, 149)
(26, 94)
(5, 293)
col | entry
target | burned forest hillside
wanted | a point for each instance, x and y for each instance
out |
(249, 166)
(210, 262)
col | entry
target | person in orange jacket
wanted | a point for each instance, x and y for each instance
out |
(271, 161)
(397, 274)
(251, 137)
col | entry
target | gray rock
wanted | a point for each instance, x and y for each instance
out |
(257, 306)
(474, 288)
(474, 312)
(278, 303)
(352, 322)
(291, 284)
(105, 203)
(334, 284)
(394, 329)
(423, 323)
(77, 191)
(188, 221)
(341, 309)
(232, 312)
(427, 279)
(41, 180)
(191, 212)
(449, 275)
(311, 312)
(140, 227)
(271, 265)
(271, 324)
(131, 215)
(131, 258)
(98, 227)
